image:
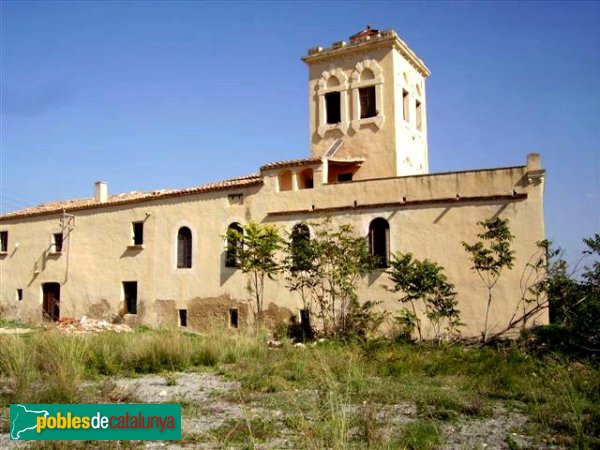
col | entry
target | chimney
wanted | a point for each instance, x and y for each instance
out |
(101, 193)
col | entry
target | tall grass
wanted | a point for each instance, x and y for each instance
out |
(330, 393)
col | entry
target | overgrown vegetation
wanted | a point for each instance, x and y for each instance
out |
(332, 394)
(490, 256)
(255, 247)
(424, 282)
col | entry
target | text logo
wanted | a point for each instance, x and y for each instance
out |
(95, 422)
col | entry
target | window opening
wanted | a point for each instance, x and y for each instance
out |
(184, 248)
(57, 242)
(130, 292)
(344, 177)
(333, 108)
(405, 105)
(183, 317)
(367, 102)
(138, 233)
(234, 243)
(3, 241)
(233, 318)
(300, 249)
(379, 241)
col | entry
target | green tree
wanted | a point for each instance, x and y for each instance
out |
(490, 256)
(425, 282)
(256, 247)
(325, 270)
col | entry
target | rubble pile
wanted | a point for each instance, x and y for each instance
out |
(87, 325)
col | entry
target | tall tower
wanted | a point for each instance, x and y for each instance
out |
(368, 105)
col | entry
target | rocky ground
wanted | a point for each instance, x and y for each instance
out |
(215, 410)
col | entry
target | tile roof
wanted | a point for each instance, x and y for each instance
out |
(291, 163)
(132, 197)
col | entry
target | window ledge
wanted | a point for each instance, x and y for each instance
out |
(342, 126)
(3, 254)
(54, 253)
(376, 120)
(135, 247)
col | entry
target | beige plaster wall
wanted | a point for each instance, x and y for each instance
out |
(96, 258)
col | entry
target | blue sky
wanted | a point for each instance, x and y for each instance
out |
(152, 95)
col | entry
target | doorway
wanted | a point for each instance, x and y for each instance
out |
(51, 301)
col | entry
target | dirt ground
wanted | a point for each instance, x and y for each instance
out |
(209, 402)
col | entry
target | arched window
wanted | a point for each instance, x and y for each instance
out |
(300, 247)
(305, 179)
(184, 248)
(285, 181)
(367, 94)
(332, 102)
(379, 241)
(234, 242)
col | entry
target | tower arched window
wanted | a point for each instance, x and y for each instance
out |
(379, 241)
(300, 247)
(332, 102)
(184, 248)
(367, 94)
(234, 243)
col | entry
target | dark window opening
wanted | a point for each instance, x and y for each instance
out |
(233, 318)
(301, 250)
(19, 294)
(307, 331)
(419, 115)
(367, 102)
(405, 105)
(51, 301)
(183, 317)
(344, 177)
(333, 108)
(130, 290)
(234, 242)
(138, 233)
(57, 239)
(184, 248)
(3, 241)
(379, 241)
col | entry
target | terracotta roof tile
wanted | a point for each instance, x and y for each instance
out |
(132, 197)
(291, 163)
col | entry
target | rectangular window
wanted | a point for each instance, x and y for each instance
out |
(130, 291)
(367, 102)
(419, 115)
(57, 242)
(405, 105)
(19, 294)
(138, 233)
(183, 317)
(3, 241)
(233, 318)
(333, 108)
(343, 177)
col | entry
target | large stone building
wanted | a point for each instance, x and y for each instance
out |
(159, 257)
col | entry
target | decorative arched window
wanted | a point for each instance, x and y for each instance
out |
(184, 248)
(332, 101)
(234, 242)
(379, 241)
(284, 180)
(300, 247)
(367, 94)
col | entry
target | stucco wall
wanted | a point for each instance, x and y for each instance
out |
(425, 215)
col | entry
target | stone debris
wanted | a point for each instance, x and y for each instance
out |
(86, 325)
